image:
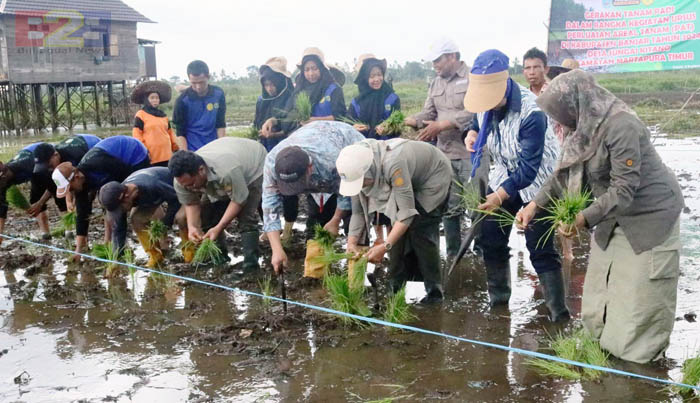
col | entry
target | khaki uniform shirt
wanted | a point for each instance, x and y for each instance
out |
(232, 165)
(446, 102)
(631, 185)
(416, 172)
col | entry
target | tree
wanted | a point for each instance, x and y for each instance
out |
(516, 67)
(253, 73)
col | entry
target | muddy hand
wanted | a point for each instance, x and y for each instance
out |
(376, 253)
(525, 216)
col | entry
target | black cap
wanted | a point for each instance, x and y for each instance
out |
(42, 154)
(109, 195)
(290, 165)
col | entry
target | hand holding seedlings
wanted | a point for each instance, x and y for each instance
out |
(494, 200)
(268, 127)
(195, 234)
(360, 127)
(333, 226)
(568, 230)
(376, 253)
(213, 233)
(525, 215)
(410, 122)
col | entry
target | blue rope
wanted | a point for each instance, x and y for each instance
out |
(373, 320)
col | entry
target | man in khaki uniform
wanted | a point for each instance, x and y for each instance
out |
(444, 119)
(217, 183)
(409, 182)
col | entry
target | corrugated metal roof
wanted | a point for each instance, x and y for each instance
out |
(104, 9)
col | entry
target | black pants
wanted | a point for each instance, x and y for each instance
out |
(40, 184)
(495, 236)
(321, 215)
(416, 255)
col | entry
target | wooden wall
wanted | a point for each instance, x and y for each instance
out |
(31, 64)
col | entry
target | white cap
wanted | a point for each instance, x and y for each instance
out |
(440, 47)
(59, 178)
(352, 164)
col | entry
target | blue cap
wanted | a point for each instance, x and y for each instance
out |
(490, 61)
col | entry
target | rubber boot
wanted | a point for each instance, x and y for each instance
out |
(555, 295)
(155, 256)
(498, 281)
(249, 242)
(434, 293)
(287, 233)
(453, 235)
(188, 250)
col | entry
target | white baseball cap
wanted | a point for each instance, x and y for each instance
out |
(352, 164)
(62, 176)
(441, 47)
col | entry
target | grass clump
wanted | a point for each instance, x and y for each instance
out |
(67, 223)
(303, 107)
(16, 199)
(579, 346)
(564, 211)
(397, 310)
(345, 298)
(208, 252)
(691, 376)
(394, 124)
(266, 289)
(156, 231)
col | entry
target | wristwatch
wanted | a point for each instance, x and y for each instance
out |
(387, 246)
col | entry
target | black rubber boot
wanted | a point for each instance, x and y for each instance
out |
(249, 242)
(453, 234)
(498, 281)
(555, 295)
(434, 292)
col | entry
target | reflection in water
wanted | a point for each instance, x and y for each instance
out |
(152, 338)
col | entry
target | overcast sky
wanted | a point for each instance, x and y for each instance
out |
(232, 35)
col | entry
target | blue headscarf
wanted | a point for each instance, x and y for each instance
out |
(488, 62)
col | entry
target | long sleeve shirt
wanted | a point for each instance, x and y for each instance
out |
(22, 167)
(322, 141)
(446, 102)
(523, 149)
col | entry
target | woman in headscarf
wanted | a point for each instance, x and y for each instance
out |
(277, 90)
(629, 295)
(323, 89)
(376, 100)
(375, 103)
(151, 125)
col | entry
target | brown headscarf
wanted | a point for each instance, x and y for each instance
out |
(575, 100)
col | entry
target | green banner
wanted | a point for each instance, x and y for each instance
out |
(625, 35)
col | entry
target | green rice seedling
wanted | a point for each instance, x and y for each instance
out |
(351, 121)
(266, 289)
(397, 310)
(357, 280)
(394, 124)
(330, 257)
(107, 252)
(469, 195)
(156, 231)
(16, 199)
(303, 107)
(564, 211)
(208, 252)
(345, 299)
(323, 237)
(579, 346)
(691, 376)
(67, 223)
(502, 216)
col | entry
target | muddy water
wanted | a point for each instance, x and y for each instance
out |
(70, 334)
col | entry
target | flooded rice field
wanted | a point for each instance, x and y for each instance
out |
(68, 334)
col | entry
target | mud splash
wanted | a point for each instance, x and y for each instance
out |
(68, 334)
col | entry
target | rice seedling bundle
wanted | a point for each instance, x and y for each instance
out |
(469, 195)
(394, 124)
(208, 252)
(564, 211)
(253, 133)
(303, 107)
(579, 346)
(266, 289)
(16, 199)
(397, 310)
(352, 121)
(67, 223)
(346, 299)
(156, 231)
